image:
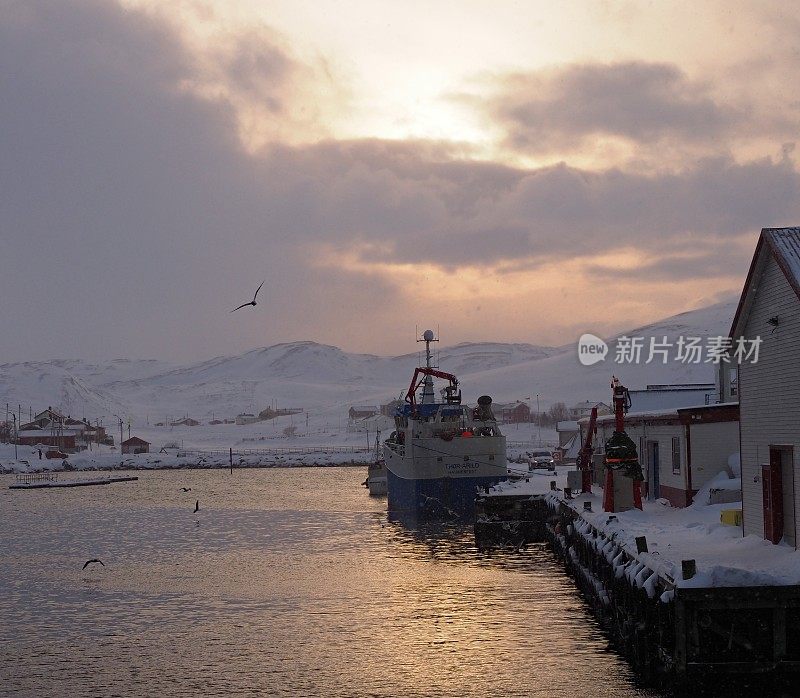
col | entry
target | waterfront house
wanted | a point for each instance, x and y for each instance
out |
(769, 388)
(673, 395)
(680, 450)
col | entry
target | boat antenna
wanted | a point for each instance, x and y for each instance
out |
(427, 385)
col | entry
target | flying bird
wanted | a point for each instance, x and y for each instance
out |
(196, 506)
(252, 302)
(89, 562)
(186, 489)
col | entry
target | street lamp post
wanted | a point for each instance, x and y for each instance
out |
(539, 419)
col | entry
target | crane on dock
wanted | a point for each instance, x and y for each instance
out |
(621, 456)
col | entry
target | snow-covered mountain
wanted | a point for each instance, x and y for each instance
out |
(325, 379)
(561, 377)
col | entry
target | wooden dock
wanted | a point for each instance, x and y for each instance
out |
(38, 481)
(663, 628)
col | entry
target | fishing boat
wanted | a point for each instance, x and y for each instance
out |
(441, 451)
(376, 471)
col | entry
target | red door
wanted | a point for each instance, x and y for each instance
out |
(773, 497)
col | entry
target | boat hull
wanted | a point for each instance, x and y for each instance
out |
(435, 499)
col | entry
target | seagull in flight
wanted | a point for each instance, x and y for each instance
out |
(186, 489)
(89, 562)
(252, 302)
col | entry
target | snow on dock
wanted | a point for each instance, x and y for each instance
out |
(722, 555)
(36, 481)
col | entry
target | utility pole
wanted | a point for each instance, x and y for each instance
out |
(539, 419)
(16, 436)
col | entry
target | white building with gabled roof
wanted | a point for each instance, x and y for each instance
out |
(769, 388)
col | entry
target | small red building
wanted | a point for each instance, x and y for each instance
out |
(516, 413)
(35, 437)
(135, 445)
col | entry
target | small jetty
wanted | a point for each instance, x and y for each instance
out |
(37, 481)
(682, 610)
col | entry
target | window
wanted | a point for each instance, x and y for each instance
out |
(676, 455)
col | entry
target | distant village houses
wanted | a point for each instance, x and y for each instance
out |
(514, 413)
(388, 409)
(584, 409)
(362, 411)
(185, 422)
(51, 429)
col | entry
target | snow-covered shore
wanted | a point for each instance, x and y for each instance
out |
(254, 445)
(723, 556)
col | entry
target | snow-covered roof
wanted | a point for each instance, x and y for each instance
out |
(46, 433)
(652, 414)
(784, 245)
(588, 404)
(135, 440)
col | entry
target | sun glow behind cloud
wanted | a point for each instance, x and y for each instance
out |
(501, 296)
(396, 71)
(521, 168)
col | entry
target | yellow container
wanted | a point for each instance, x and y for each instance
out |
(731, 517)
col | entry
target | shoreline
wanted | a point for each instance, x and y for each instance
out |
(4, 470)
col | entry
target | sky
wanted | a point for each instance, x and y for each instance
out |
(505, 171)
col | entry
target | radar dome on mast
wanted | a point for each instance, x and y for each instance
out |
(428, 335)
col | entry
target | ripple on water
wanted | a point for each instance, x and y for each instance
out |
(286, 582)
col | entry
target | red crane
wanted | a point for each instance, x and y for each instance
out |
(620, 450)
(453, 396)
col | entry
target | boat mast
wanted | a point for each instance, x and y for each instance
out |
(428, 396)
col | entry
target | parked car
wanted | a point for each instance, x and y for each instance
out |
(541, 458)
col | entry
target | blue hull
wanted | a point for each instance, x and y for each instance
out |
(436, 499)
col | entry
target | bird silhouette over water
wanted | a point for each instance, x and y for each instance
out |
(252, 302)
(186, 489)
(89, 562)
(196, 506)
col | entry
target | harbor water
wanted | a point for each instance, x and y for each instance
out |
(286, 582)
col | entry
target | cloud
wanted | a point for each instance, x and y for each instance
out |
(628, 110)
(638, 101)
(133, 219)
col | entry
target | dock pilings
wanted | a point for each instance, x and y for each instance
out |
(663, 628)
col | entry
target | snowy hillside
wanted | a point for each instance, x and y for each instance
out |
(326, 380)
(561, 377)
